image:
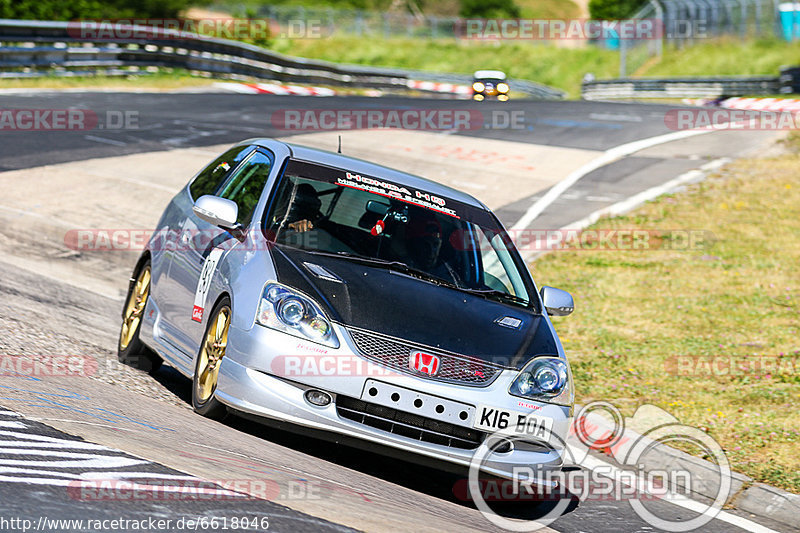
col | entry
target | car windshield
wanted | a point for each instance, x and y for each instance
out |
(326, 210)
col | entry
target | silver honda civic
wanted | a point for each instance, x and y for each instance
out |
(347, 300)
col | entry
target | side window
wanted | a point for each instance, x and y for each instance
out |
(210, 178)
(499, 272)
(246, 185)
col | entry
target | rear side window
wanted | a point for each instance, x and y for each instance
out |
(211, 177)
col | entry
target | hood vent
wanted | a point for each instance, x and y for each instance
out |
(322, 272)
(509, 322)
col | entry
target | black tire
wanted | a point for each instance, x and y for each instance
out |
(212, 350)
(131, 350)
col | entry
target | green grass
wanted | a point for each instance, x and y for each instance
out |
(548, 9)
(726, 57)
(559, 67)
(563, 68)
(739, 296)
(161, 80)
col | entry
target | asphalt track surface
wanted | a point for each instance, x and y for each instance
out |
(398, 495)
(178, 120)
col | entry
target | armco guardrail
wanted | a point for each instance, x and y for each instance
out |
(680, 87)
(38, 48)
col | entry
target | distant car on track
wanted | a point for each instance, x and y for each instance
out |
(487, 84)
(351, 300)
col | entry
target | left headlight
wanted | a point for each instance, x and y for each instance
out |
(285, 310)
(545, 379)
(502, 87)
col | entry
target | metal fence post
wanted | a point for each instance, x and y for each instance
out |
(658, 16)
(757, 15)
(359, 23)
(743, 11)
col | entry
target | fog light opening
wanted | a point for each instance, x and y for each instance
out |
(318, 398)
(501, 446)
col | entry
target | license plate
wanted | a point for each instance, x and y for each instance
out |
(493, 419)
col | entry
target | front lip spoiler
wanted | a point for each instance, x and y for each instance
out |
(374, 447)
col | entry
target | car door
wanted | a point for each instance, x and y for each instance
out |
(169, 293)
(194, 264)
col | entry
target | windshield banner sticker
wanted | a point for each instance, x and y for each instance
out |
(390, 190)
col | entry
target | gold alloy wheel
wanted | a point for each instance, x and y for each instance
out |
(135, 308)
(212, 353)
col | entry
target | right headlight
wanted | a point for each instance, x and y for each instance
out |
(478, 87)
(545, 379)
(285, 310)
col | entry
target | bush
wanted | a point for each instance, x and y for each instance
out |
(91, 9)
(613, 9)
(489, 9)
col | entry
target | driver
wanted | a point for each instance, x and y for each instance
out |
(304, 209)
(424, 244)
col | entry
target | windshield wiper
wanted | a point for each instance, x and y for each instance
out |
(392, 265)
(493, 293)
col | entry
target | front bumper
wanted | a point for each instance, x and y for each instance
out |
(251, 381)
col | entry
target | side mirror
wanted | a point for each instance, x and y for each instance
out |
(218, 211)
(556, 301)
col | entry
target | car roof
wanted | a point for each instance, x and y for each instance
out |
(353, 164)
(490, 74)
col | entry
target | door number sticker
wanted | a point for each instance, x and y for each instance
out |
(204, 283)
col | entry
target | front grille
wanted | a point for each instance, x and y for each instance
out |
(408, 425)
(452, 368)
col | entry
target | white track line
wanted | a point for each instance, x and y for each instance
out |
(609, 156)
(103, 140)
(636, 200)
